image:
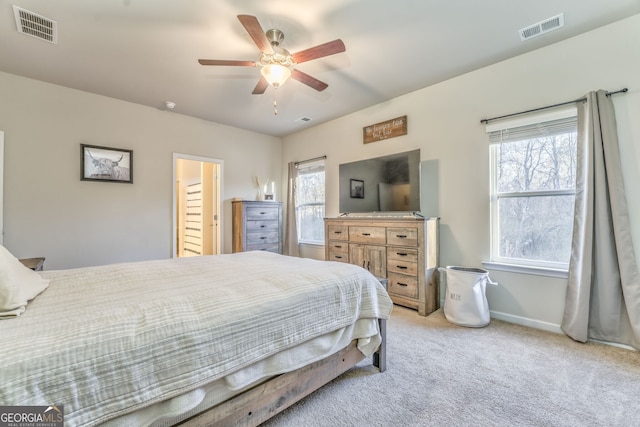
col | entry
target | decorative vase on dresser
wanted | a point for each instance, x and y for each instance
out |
(404, 250)
(257, 225)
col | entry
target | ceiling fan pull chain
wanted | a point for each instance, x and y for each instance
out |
(275, 102)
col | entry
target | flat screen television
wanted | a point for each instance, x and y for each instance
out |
(382, 184)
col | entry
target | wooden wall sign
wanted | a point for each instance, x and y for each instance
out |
(385, 130)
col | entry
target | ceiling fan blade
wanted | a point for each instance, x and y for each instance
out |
(262, 85)
(308, 80)
(319, 51)
(251, 24)
(227, 62)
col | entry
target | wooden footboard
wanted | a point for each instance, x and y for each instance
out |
(269, 398)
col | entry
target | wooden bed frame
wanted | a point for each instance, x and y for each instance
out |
(263, 401)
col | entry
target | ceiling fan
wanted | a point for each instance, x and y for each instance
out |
(276, 63)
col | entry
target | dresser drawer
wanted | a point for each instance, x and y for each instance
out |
(262, 238)
(403, 267)
(403, 236)
(367, 235)
(338, 232)
(269, 247)
(266, 225)
(339, 247)
(403, 254)
(262, 213)
(401, 284)
(338, 256)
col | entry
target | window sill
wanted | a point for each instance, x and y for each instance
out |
(303, 243)
(537, 271)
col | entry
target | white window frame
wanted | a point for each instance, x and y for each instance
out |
(518, 265)
(309, 165)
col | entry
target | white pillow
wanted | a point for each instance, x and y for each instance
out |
(18, 285)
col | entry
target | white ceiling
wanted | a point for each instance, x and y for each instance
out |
(146, 51)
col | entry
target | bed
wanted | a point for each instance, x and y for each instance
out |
(225, 339)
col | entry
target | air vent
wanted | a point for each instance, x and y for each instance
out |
(303, 119)
(540, 28)
(36, 25)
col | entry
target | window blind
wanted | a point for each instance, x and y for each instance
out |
(533, 131)
(552, 122)
(311, 167)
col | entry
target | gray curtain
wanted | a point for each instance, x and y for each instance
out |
(291, 246)
(603, 293)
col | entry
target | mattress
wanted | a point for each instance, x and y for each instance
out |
(110, 340)
(172, 411)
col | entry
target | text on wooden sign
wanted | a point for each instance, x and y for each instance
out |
(384, 130)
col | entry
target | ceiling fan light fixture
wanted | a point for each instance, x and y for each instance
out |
(275, 74)
(277, 64)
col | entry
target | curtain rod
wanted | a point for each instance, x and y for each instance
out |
(310, 160)
(485, 121)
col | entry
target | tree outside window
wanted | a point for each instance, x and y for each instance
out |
(310, 202)
(533, 193)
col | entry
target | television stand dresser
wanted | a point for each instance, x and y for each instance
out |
(403, 249)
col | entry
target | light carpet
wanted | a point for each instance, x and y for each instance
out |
(440, 374)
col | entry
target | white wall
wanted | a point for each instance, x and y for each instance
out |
(49, 212)
(444, 122)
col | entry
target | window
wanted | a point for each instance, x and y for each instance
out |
(533, 174)
(310, 202)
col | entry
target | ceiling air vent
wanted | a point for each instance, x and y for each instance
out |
(542, 27)
(303, 120)
(36, 25)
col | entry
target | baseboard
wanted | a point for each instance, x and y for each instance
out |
(526, 321)
(615, 344)
(545, 326)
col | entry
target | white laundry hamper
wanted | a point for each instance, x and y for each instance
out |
(465, 302)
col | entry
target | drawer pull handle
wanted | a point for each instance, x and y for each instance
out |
(263, 226)
(366, 234)
(401, 236)
(338, 246)
(401, 254)
(338, 256)
(337, 232)
(402, 284)
(263, 213)
(263, 237)
(401, 267)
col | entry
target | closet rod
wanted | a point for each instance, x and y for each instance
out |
(485, 121)
(310, 160)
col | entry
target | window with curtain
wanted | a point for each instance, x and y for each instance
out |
(309, 203)
(533, 175)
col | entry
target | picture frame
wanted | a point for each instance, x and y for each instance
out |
(107, 164)
(357, 188)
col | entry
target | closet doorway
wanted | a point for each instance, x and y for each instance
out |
(196, 201)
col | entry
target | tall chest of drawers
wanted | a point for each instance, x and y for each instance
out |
(404, 250)
(256, 226)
